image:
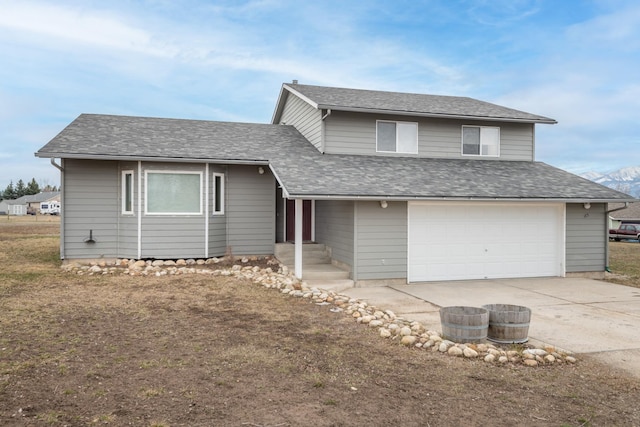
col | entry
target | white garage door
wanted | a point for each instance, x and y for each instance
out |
(460, 241)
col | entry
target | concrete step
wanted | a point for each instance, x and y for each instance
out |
(306, 260)
(338, 285)
(316, 263)
(324, 272)
(283, 250)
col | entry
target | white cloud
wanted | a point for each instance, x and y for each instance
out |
(65, 27)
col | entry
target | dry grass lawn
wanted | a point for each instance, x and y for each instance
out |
(208, 351)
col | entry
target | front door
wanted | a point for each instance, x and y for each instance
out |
(291, 220)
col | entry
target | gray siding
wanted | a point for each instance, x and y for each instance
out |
(250, 211)
(93, 201)
(355, 133)
(217, 223)
(381, 241)
(305, 118)
(128, 223)
(335, 228)
(217, 236)
(587, 236)
(173, 236)
(90, 203)
(281, 206)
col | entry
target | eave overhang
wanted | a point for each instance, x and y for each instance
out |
(151, 158)
(282, 98)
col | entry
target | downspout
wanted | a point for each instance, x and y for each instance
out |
(62, 203)
(139, 201)
(206, 210)
(323, 131)
(606, 250)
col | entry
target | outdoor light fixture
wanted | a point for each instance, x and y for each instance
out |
(260, 170)
(383, 204)
(587, 205)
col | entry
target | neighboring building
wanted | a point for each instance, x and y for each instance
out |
(28, 204)
(621, 214)
(399, 187)
(15, 207)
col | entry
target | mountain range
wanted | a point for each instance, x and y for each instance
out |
(626, 179)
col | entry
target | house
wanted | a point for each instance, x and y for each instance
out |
(624, 214)
(16, 207)
(35, 201)
(398, 188)
(29, 203)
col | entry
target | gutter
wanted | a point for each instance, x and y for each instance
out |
(151, 159)
(437, 115)
(448, 198)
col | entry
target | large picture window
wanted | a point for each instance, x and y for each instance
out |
(173, 193)
(127, 192)
(396, 137)
(481, 141)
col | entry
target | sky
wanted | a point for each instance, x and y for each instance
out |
(576, 61)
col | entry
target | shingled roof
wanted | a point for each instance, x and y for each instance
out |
(342, 99)
(304, 172)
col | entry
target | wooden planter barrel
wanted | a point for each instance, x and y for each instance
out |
(464, 324)
(508, 323)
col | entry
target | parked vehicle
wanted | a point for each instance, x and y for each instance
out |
(50, 208)
(625, 232)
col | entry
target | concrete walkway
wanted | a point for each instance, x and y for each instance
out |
(577, 315)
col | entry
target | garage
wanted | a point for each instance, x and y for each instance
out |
(465, 241)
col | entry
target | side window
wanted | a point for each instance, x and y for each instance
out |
(396, 137)
(218, 194)
(127, 192)
(480, 141)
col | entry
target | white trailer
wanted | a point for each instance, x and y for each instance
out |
(51, 208)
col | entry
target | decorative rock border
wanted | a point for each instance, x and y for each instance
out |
(406, 332)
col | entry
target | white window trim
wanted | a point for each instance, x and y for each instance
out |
(397, 122)
(218, 210)
(480, 127)
(124, 192)
(172, 172)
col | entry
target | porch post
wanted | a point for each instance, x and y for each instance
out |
(298, 239)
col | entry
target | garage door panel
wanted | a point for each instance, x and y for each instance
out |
(456, 241)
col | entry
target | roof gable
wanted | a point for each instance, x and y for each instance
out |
(370, 101)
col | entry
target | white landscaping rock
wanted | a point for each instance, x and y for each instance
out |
(455, 351)
(408, 340)
(469, 353)
(410, 333)
(385, 333)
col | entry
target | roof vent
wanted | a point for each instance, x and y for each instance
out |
(295, 82)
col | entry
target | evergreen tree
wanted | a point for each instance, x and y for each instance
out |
(32, 187)
(20, 189)
(9, 192)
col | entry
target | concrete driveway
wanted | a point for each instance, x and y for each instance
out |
(573, 314)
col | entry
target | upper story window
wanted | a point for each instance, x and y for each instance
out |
(396, 137)
(481, 141)
(173, 193)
